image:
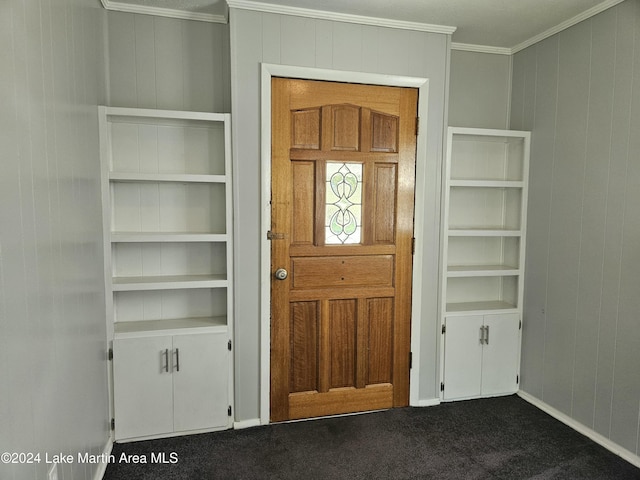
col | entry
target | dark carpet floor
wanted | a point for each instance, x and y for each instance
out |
(499, 438)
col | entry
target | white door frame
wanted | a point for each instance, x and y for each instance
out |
(422, 84)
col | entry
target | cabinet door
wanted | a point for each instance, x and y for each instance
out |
(200, 381)
(462, 357)
(143, 400)
(500, 354)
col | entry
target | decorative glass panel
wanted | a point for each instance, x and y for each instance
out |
(343, 220)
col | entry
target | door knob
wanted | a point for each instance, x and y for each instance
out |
(281, 274)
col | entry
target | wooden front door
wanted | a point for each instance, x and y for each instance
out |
(343, 174)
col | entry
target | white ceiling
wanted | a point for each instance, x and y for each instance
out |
(495, 23)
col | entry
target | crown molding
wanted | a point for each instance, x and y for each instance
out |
(601, 7)
(163, 12)
(358, 19)
(468, 47)
(593, 11)
(338, 17)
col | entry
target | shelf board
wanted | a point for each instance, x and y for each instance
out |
(168, 282)
(165, 114)
(495, 306)
(487, 134)
(482, 271)
(142, 237)
(486, 183)
(165, 177)
(483, 232)
(148, 328)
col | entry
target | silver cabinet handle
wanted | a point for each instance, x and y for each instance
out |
(177, 359)
(486, 337)
(481, 335)
(166, 360)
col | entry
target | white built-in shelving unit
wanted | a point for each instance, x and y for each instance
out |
(484, 222)
(168, 260)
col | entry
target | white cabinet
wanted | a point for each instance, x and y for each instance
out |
(167, 209)
(480, 355)
(484, 231)
(170, 384)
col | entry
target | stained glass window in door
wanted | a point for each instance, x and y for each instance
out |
(343, 220)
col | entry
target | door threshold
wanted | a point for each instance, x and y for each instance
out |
(351, 414)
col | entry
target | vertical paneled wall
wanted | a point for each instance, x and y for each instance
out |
(479, 90)
(167, 63)
(280, 39)
(53, 367)
(579, 93)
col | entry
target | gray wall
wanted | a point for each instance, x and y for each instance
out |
(479, 90)
(579, 92)
(279, 39)
(167, 63)
(52, 322)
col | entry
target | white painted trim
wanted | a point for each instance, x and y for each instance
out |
(509, 94)
(102, 466)
(468, 47)
(252, 422)
(566, 24)
(167, 114)
(584, 430)
(339, 17)
(163, 12)
(430, 402)
(581, 17)
(271, 70)
(358, 19)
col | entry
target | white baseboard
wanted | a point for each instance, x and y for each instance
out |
(430, 402)
(102, 466)
(252, 422)
(613, 447)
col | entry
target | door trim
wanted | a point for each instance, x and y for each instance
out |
(307, 73)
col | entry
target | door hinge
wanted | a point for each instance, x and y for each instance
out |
(229, 345)
(442, 386)
(229, 411)
(413, 246)
(444, 329)
(110, 354)
(410, 360)
(520, 325)
(517, 379)
(417, 125)
(113, 424)
(274, 236)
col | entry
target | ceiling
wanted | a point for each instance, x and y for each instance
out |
(493, 23)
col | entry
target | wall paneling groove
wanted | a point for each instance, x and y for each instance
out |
(579, 93)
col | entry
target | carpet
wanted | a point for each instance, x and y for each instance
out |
(497, 438)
